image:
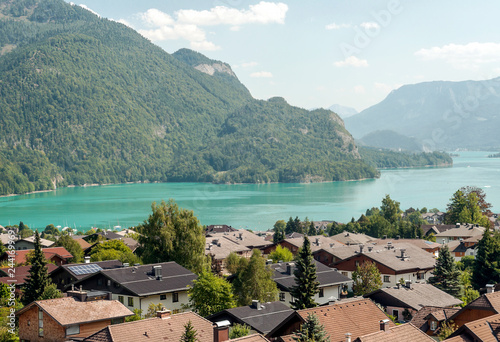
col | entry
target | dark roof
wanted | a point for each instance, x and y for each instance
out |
(415, 297)
(262, 320)
(107, 264)
(141, 281)
(420, 318)
(219, 228)
(326, 276)
(20, 274)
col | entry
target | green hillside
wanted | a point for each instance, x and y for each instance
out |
(86, 100)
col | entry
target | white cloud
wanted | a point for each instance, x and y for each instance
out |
(249, 64)
(463, 56)
(359, 89)
(261, 74)
(187, 24)
(334, 26)
(352, 61)
(88, 9)
(369, 25)
(386, 88)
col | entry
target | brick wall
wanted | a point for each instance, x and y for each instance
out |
(28, 327)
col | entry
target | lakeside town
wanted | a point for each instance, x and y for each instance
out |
(392, 275)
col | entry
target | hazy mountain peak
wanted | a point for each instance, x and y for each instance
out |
(343, 111)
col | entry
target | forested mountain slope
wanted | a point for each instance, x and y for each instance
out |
(87, 100)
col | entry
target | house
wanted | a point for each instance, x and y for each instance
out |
(332, 284)
(260, 317)
(242, 237)
(138, 286)
(429, 319)
(81, 241)
(165, 327)
(335, 252)
(356, 317)
(56, 255)
(64, 275)
(18, 275)
(29, 243)
(111, 235)
(481, 330)
(433, 218)
(434, 229)
(486, 305)
(293, 244)
(219, 249)
(461, 231)
(404, 332)
(349, 238)
(460, 248)
(402, 261)
(428, 246)
(220, 228)
(67, 318)
(404, 301)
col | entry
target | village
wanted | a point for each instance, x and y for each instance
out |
(347, 287)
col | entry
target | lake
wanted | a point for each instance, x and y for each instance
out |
(255, 206)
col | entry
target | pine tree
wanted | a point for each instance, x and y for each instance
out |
(446, 274)
(311, 331)
(312, 229)
(305, 279)
(38, 278)
(189, 333)
(487, 263)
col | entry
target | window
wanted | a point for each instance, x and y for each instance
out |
(420, 276)
(130, 301)
(117, 320)
(395, 313)
(163, 297)
(321, 293)
(120, 299)
(175, 297)
(40, 323)
(99, 282)
(387, 279)
(282, 296)
(73, 330)
(433, 325)
(344, 273)
(109, 283)
(356, 263)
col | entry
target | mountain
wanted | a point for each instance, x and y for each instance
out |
(438, 115)
(390, 140)
(343, 111)
(87, 100)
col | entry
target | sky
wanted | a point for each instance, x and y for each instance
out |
(318, 53)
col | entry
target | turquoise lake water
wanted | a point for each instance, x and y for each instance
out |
(255, 206)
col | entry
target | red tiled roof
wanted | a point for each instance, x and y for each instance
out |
(360, 317)
(20, 256)
(404, 332)
(250, 338)
(169, 329)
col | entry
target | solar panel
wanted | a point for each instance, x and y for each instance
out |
(85, 269)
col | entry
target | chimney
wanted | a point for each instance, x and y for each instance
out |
(163, 314)
(403, 254)
(157, 272)
(241, 236)
(385, 237)
(332, 300)
(348, 337)
(389, 245)
(361, 248)
(79, 295)
(490, 288)
(370, 248)
(317, 241)
(397, 237)
(290, 267)
(126, 264)
(221, 331)
(256, 304)
(408, 284)
(457, 225)
(87, 260)
(384, 325)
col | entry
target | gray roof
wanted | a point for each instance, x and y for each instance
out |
(220, 247)
(317, 242)
(108, 264)
(263, 321)
(326, 276)
(462, 231)
(349, 238)
(242, 237)
(416, 297)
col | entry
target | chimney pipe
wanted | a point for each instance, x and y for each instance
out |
(408, 284)
(384, 325)
(490, 288)
(348, 337)
(361, 248)
(256, 304)
(157, 272)
(87, 260)
(290, 268)
(221, 331)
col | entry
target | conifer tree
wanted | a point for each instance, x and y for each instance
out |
(190, 334)
(311, 331)
(305, 279)
(38, 278)
(487, 263)
(446, 274)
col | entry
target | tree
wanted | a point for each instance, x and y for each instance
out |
(189, 334)
(210, 294)
(254, 280)
(233, 262)
(113, 249)
(153, 308)
(306, 284)
(465, 208)
(366, 278)
(38, 278)
(238, 330)
(281, 254)
(487, 263)
(446, 274)
(481, 197)
(447, 328)
(311, 331)
(51, 230)
(71, 246)
(312, 229)
(390, 209)
(279, 231)
(135, 317)
(51, 292)
(173, 234)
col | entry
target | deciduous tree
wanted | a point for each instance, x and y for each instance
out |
(210, 294)
(305, 279)
(281, 254)
(238, 330)
(279, 231)
(71, 246)
(366, 278)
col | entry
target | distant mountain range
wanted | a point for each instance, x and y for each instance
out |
(86, 100)
(343, 111)
(433, 116)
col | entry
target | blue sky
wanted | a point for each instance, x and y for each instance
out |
(322, 52)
